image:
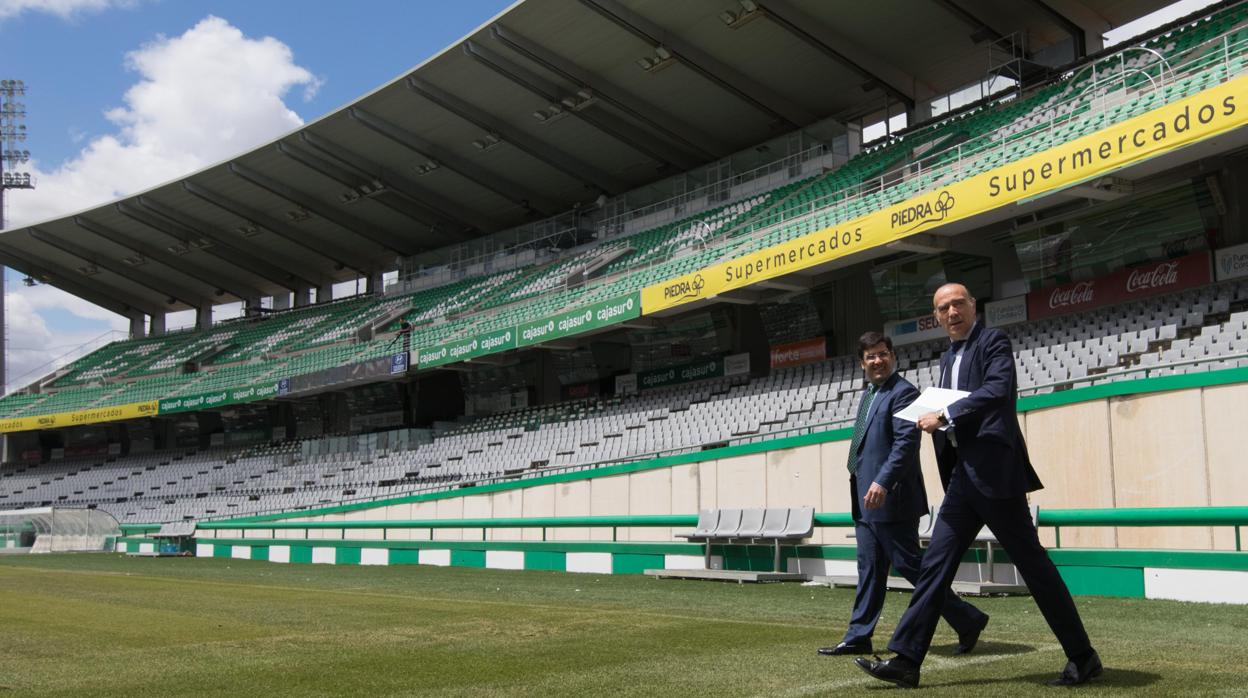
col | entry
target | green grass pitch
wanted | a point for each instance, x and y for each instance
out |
(106, 625)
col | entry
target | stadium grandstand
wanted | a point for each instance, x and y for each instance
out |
(614, 259)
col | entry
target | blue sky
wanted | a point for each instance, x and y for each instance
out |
(76, 65)
(127, 94)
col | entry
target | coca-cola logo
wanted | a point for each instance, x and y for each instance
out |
(1166, 274)
(1080, 293)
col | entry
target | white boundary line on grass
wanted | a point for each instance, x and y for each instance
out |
(930, 665)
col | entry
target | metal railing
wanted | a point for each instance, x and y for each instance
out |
(719, 192)
(1212, 516)
(943, 166)
(1233, 516)
(46, 369)
(614, 227)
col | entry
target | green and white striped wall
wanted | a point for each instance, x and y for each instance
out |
(1205, 576)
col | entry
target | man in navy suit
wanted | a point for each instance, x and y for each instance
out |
(987, 474)
(888, 499)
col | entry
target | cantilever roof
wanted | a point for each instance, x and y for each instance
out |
(455, 149)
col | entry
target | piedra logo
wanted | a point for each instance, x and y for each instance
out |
(924, 213)
(682, 289)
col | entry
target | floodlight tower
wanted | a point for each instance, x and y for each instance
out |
(12, 155)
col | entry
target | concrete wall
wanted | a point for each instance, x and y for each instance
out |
(1179, 448)
(1171, 449)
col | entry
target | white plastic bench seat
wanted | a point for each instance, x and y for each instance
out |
(771, 526)
(708, 519)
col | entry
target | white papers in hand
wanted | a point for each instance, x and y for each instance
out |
(931, 400)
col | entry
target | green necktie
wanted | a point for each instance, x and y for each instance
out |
(860, 425)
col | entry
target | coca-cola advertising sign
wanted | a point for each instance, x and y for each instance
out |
(1161, 276)
(1082, 293)
(1126, 284)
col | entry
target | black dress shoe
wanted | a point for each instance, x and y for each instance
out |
(898, 670)
(967, 642)
(846, 648)
(1080, 673)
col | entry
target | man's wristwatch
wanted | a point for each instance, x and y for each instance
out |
(942, 417)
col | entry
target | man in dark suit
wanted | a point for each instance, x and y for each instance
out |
(987, 474)
(888, 499)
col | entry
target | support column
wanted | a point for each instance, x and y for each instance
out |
(1007, 272)
(324, 293)
(203, 316)
(138, 325)
(376, 284)
(157, 325)
(303, 297)
(284, 301)
(252, 306)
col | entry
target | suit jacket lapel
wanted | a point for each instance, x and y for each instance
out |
(964, 367)
(968, 356)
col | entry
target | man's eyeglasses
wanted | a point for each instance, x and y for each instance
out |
(880, 356)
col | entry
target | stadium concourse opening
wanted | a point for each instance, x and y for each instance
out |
(700, 327)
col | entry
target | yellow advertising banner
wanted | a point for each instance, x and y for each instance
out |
(1213, 111)
(113, 413)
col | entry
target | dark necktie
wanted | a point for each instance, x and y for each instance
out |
(860, 426)
(947, 379)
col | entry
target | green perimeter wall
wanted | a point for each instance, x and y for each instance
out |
(1117, 573)
(1106, 446)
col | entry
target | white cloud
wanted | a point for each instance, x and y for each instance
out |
(35, 349)
(206, 95)
(29, 339)
(43, 297)
(65, 9)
